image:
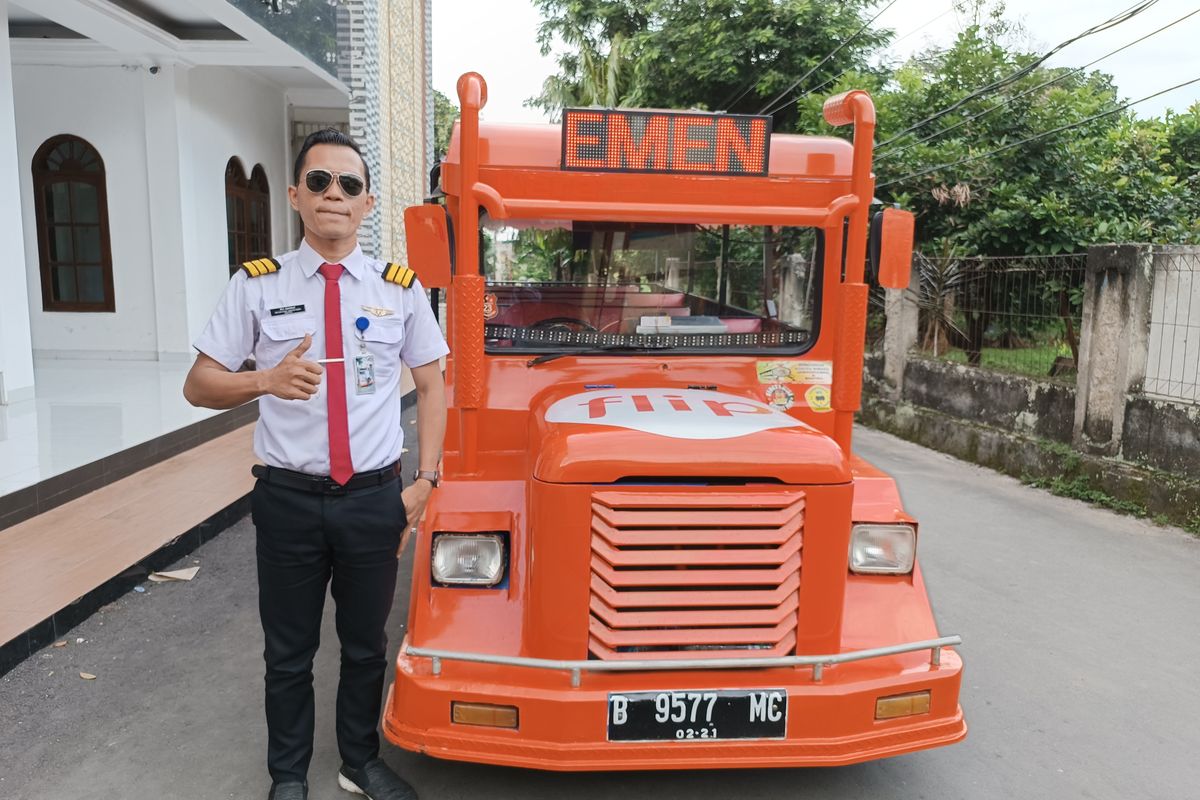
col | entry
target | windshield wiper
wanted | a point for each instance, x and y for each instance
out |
(605, 348)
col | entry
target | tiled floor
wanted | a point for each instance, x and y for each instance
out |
(85, 410)
(51, 560)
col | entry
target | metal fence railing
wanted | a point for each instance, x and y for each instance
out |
(1019, 314)
(1173, 351)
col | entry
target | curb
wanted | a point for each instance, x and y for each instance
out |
(1118, 485)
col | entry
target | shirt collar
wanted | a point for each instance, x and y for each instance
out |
(310, 261)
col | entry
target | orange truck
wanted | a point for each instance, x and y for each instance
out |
(653, 547)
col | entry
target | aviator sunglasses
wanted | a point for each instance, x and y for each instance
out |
(318, 180)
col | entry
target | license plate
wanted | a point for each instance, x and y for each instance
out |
(697, 715)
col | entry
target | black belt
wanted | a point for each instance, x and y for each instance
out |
(323, 484)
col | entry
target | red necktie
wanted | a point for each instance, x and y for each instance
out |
(340, 466)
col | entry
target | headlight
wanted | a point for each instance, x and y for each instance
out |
(882, 549)
(468, 559)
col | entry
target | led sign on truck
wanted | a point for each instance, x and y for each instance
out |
(619, 140)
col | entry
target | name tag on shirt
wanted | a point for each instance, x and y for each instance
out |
(279, 312)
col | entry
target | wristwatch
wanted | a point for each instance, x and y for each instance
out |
(430, 475)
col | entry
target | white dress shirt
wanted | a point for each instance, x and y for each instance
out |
(268, 317)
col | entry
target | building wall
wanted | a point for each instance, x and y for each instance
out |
(217, 113)
(165, 138)
(427, 13)
(16, 360)
(104, 106)
(358, 68)
(384, 57)
(403, 62)
(233, 113)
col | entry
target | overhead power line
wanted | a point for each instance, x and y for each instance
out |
(829, 82)
(848, 70)
(823, 61)
(924, 25)
(1007, 80)
(1036, 137)
(733, 99)
(1007, 101)
(729, 103)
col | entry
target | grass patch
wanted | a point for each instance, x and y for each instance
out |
(1034, 362)
(1069, 458)
(1080, 488)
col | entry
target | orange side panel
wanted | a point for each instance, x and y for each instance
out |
(468, 341)
(848, 364)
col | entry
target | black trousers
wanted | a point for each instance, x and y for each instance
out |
(306, 539)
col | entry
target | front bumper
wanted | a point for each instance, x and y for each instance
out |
(563, 710)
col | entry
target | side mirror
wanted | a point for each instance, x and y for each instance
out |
(427, 232)
(891, 247)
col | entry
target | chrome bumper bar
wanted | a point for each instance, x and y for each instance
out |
(818, 663)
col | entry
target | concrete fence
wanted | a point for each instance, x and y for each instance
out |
(1134, 397)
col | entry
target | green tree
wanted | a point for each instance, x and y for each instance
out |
(979, 191)
(445, 113)
(1045, 164)
(542, 255)
(1183, 154)
(731, 55)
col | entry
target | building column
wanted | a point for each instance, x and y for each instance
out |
(166, 95)
(1113, 342)
(16, 346)
(402, 124)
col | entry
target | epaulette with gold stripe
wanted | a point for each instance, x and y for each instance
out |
(260, 267)
(398, 273)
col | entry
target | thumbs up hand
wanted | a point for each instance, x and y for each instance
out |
(294, 378)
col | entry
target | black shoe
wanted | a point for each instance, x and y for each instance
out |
(376, 780)
(292, 790)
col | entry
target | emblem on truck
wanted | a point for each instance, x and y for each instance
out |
(677, 413)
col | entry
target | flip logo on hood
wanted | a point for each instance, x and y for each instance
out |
(678, 413)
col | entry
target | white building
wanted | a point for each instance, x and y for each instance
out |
(147, 145)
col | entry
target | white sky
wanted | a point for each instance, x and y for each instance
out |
(497, 38)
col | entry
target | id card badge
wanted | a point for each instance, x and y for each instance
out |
(364, 373)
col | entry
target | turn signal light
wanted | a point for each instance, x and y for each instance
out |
(902, 705)
(484, 714)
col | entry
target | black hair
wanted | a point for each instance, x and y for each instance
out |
(329, 136)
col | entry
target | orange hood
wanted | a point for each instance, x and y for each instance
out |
(606, 435)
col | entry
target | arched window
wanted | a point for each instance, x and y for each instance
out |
(247, 214)
(71, 209)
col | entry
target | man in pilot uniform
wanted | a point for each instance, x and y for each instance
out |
(329, 329)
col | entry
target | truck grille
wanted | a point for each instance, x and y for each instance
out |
(686, 575)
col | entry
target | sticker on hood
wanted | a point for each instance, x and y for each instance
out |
(678, 413)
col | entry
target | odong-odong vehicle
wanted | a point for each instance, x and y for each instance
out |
(653, 546)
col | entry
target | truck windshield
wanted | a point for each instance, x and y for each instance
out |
(621, 287)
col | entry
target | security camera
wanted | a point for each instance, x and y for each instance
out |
(154, 70)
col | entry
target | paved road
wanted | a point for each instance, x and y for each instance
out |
(1081, 645)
